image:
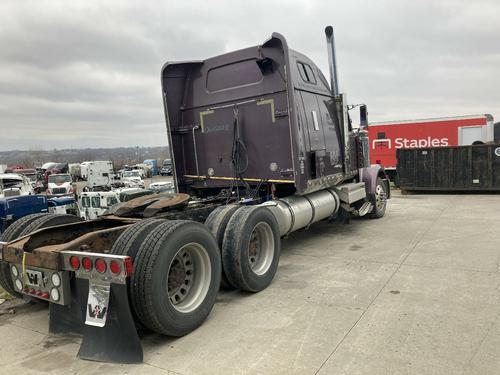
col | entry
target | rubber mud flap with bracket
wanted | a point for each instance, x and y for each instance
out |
(118, 341)
(69, 318)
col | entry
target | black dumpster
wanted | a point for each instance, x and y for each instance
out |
(460, 168)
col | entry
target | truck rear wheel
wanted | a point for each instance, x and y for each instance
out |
(132, 238)
(251, 248)
(380, 199)
(129, 243)
(49, 221)
(176, 278)
(11, 233)
(217, 223)
(14, 230)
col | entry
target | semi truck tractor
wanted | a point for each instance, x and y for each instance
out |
(262, 145)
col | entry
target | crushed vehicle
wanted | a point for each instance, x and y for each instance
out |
(157, 261)
(127, 194)
(132, 179)
(12, 184)
(60, 184)
(30, 173)
(166, 186)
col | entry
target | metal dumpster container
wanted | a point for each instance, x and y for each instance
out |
(460, 168)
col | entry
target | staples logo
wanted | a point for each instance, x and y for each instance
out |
(426, 142)
(381, 143)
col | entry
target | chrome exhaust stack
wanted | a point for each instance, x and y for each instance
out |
(339, 99)
(332, 61)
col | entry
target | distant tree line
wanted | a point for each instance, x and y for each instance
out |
(120, 156)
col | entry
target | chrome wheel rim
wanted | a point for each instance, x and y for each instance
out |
(261, 248)
(380, 197)
(189, 276)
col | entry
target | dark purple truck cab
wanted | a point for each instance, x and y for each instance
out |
(272, 102)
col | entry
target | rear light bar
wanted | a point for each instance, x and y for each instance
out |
(41, 283)
(97, 266)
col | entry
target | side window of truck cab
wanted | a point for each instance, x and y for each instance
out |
(111, 201)
(85, 202)
(96, 202)
(306, 73)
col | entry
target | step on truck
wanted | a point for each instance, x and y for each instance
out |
(262, 145)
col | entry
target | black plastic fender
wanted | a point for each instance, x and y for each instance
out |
(369, 176)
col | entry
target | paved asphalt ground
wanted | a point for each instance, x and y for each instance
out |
(416, 292)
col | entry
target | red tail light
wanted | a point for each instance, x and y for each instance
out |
(74, 262)
(87, 264)
(129, 267)
(100, 265)
(114, 266)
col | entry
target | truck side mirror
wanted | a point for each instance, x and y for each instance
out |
(363, 116)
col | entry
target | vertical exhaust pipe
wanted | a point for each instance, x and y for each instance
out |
(339, 99)
(332, 60)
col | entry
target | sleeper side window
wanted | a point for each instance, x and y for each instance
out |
(306, 73)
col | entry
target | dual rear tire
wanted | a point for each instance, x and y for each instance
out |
(250, 245)
(251, 248)
(178, 267)
(176, 275)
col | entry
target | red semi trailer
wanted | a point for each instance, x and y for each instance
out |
(387, 137)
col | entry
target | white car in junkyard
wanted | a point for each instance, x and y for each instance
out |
(60, 184)
(14, 184)
(132, 179)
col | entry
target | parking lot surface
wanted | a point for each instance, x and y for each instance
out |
(416, 292)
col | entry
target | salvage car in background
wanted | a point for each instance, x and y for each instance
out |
(132, 179)
(14, 184)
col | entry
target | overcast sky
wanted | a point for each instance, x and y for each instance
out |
(86, 73)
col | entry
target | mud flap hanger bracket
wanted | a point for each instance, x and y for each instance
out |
(109, 332)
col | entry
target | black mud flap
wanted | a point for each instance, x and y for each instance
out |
(69, 318)
(117, 341)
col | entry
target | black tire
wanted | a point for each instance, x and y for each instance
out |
(11, 233)
(132, 238)
(217, 222)
(152, 277)
(14, 230)
(380, 199)
(247, 271)
(49, 221)
(129, 243)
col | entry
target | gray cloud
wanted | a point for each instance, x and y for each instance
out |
(86, 73)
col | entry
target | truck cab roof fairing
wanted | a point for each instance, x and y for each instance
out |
(194, 87)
